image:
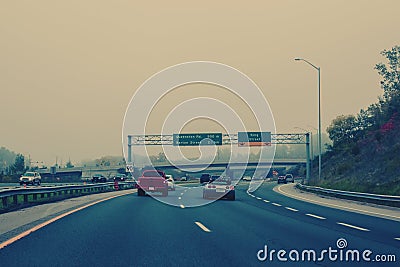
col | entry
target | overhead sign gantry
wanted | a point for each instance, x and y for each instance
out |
(242, 139)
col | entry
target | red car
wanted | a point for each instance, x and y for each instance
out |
(152, 181)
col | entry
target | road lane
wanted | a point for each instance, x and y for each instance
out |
(140, 231)
(383, 230)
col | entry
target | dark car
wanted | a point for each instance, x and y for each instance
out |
(282, 180)
(120, 177)
(99, 178)
(213, 178)
(205, 178)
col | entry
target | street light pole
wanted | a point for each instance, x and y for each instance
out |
(319, 114)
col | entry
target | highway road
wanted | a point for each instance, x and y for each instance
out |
(140, 231)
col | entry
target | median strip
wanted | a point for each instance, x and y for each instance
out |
(354, 227)
(316, 216)
(202, 227)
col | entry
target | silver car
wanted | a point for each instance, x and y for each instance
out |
(289, 178)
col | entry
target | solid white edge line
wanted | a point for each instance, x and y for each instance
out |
(202, 227)
(315, 216)
(353, 226)
(37, 227)
(292, 209)
(365, 212)
(276, 204)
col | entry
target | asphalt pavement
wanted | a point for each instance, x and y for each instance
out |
(141, 231)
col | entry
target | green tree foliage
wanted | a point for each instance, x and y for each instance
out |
(7, 157)
(390, 73)
(19, 164)
(343, 129)
(378, 116)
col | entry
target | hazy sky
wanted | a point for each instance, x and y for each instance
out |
(69, 68)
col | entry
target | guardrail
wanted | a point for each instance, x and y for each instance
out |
(387, 200)
(21, 197)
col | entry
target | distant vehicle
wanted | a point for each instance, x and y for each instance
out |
(205, 178)
(246, 178)
(152, 181)
(171, 184)
(99, 178)
(214, 177)
(120, 177)
(169, 176)
(289, 178)
(282, 180)
(219, 189)
(30, 178)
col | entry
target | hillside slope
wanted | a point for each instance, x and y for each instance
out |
(371, 164)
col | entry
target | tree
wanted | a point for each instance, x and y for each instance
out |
(343, 129)
(19, 164)
(390, 73)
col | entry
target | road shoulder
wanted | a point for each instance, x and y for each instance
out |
(15, 222)
(380, 211)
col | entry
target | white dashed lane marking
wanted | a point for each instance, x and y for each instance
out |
(276, 204)
(291, 209)
(316, 216)
(266, 201)
(202, 227)
(353, 226)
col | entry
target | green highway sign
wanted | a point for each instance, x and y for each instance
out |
(254, 138)
(196, 139)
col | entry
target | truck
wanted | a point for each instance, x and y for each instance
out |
(152, 181)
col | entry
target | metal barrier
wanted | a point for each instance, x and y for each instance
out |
(387, 200)
(16, 198)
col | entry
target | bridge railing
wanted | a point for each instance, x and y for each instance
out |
(387, 200)
(17, 198)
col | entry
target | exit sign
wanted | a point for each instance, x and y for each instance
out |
(254, 138)
(196, 139)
